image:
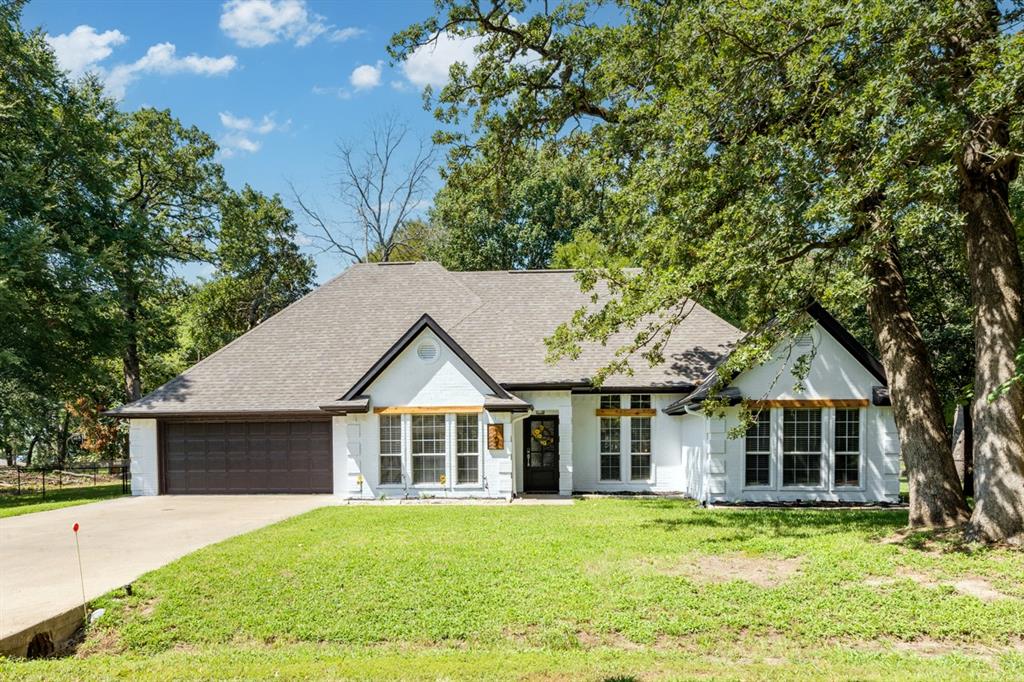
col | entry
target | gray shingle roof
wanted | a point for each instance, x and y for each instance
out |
(312, 352)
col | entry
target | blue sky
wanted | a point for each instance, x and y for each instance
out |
(276, 82)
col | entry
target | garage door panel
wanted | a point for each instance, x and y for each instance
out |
(247, 457)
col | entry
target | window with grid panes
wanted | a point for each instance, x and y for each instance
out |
(759, 450)
(639, 448)
(428, 448)
(801, 447)
(390, 449)
(847, 442)
(467, 448)
(610, 449)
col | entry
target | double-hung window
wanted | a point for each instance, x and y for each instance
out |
(428, 448)
(801, 447)
(759, 450)
(847, 440)
(639, 440)
(611, 450)
(467, 448)
(390, 449)
(611, 440)
(640, 448)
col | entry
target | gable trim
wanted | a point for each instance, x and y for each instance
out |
(425, 322)
(847, 341)
(830, 324)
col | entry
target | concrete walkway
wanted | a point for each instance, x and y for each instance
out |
(121, 539)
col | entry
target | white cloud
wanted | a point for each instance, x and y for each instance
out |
(429, 64)
(265, 125)
(366, 76)
(82, 50)
(339, 92)
(79, 51)
(256, 23)
(347, 33)
(233, 144)
(162, 59)
(242, 131)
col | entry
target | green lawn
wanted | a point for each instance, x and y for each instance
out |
(600, 589)
(15, 505)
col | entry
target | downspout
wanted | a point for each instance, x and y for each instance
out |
(512, 439)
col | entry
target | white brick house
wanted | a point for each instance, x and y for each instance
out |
(406, 380)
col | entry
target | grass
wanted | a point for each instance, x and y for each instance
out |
(600, 589)
(16, 505)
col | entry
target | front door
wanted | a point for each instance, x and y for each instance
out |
(540, 456)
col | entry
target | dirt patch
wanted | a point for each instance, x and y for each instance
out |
(978, 588)
(933, 648)
(100, 641)
(616, 640)
(724, 568)
(971, 586)
(147, 608)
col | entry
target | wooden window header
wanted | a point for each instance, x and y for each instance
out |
(624, 412)
(450, 409)
(817, 402)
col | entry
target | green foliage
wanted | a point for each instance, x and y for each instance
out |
(600, 577)
(53, 143)
(741, 146)
(259, 272)
(99, 209)
(510, 209)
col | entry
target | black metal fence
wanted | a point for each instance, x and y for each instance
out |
(31, 480)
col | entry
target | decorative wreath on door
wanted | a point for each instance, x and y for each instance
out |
(542, 435)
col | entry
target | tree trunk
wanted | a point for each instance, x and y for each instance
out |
(132, 365)
(62, 440)
(994, 266)
(936, 497)
(31, 448)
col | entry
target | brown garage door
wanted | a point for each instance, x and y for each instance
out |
(247, 457)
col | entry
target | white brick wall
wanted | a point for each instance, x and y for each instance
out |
(142, 449)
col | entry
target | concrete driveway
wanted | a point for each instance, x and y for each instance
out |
(121, 539)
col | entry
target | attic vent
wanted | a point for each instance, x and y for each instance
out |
(804, 341)
(427, 351)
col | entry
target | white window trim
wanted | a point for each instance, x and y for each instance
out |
(600, 453)
(628, 474)
(451, 456)
(772, 480)
(401, 455)
(861, 454)
(480, 428)
(626, 447)
(828, 453)
(447, 456)
(823, 455)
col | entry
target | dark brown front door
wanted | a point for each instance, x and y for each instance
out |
(540, 456)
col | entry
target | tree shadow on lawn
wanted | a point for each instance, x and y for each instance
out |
(789, 523)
